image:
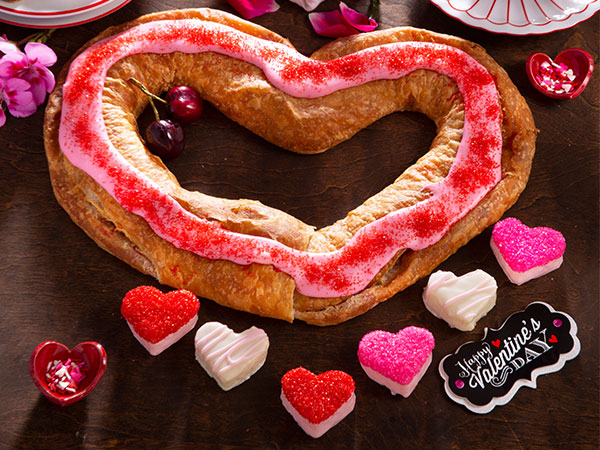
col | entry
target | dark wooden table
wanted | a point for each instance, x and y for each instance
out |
(57, 284)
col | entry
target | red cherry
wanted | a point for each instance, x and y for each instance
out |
(184, 104)
(165, 138)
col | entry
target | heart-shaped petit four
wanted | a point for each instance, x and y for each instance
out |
(317, 402)
(159, 320)
(230, 358)
(460, 301)
(396, 360)
(526, 253)
(563, 78)
(65, 376)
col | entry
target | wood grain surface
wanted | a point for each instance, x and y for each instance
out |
(56, 284)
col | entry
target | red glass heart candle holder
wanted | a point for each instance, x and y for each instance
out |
(91, 354)
(545, 74)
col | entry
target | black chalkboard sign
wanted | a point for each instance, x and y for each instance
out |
(484, 374)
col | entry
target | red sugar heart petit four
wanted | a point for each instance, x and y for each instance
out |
(317, 402)
(65, 376)
(159, 320)
(396, 360)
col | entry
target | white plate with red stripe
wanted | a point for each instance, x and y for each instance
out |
(57, 13)
(519, 17)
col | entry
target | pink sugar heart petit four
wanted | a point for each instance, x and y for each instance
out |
(460, 301)
(159, 320)
(396, 360)
(65, 375)
(230, 358)
(526, 253)
(317, 402)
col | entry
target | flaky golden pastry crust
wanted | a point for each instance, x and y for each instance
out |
(298, 124)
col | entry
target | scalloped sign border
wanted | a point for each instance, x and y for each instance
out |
(485, 374)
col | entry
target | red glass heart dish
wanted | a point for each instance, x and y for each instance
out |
(579, 61)
(93, 356)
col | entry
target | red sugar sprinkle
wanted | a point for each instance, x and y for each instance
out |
(317, 397)
(154, 315)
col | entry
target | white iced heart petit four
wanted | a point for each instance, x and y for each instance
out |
(460, 301)
(230, 358)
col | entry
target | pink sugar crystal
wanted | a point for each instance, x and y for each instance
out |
(524, 248)
(399, 357)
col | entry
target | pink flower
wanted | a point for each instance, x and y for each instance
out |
(31, 66)
(343, 22)
(252, 8)
(15, 94)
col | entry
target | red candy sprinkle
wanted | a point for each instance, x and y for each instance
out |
(154, 315)
(317, 397)
(64, 376)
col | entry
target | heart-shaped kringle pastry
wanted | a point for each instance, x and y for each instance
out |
(255, 258)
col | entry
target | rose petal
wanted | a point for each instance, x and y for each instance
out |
(2, 116)
(308, 5)
(331, 24)
(357, 20)
(40, 52)
(253, 8)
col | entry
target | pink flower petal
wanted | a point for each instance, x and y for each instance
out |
(16, 95)
(253, 8)
(357, 20)
(16, 85)
(331, 24)
(7, 46)
(38, 90)
(40, 53)
(22, 111)
(2, 115)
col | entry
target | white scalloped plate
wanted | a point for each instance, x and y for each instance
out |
(46, 8)
(519, 17)
(69, 19)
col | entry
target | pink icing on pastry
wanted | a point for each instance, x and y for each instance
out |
(398, 357)
(475, 171)
(524, 248)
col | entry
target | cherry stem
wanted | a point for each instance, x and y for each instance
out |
(150, 95)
